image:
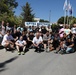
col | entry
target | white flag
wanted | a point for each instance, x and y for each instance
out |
(65, 5)
(69, 6)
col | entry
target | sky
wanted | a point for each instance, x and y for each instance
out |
(44, 9)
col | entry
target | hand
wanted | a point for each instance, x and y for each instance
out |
(21, 45)
(36, 45)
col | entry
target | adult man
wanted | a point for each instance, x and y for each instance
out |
(2, 31)
(7, 26)
(70, 46)
(29, 39)
(73, 29)
(8, 41)
(46, 39)
(37, 42)
(21, 45)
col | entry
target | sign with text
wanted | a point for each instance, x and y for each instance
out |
(37, 23)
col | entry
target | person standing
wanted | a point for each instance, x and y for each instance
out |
(2, 31)
(7, 26)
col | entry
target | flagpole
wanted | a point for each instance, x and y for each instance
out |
(64, 17)
(67, 16)
(69, 7)
(50, 16)
(65, 11)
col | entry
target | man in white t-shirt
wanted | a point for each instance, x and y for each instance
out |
(37, 42)
(8, 40)
(73, 29)
(21, 45)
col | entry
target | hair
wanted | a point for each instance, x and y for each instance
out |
(8, 31)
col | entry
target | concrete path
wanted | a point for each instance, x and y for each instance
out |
(33, 63)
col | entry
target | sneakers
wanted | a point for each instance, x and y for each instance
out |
(19, 53)
(23, 53)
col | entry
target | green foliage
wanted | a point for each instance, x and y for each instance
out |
(7, 6)
(71, 20)
(18, 20)
(6, 11)
(61, 20)
(27, 14)
(55, 28)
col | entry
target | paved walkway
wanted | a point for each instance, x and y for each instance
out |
(37, 63)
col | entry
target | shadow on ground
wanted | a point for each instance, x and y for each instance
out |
(3, 64)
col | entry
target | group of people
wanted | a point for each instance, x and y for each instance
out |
(40, 38)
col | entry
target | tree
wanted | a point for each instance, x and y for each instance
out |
(61, 20)
(55, 28)
(7, 6)
(71, 20)
(27, 14)
(7, 10)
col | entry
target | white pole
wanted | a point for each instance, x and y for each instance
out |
(65, 18)
(50, 16)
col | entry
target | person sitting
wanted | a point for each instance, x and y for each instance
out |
(62, 47)
(8, 41)
(67, 30)
(18, 33)
(46, 39)
(70, 46)
(74, 39)
(55, 42)
(38, 42)
(30, 39)
(21, 45)
(66, 47)
(14, 34)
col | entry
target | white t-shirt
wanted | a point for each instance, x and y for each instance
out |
(37, 41)
(8, 28)
(21, 42)
(3, 30)
(73, 30)
(4, 39)
(7, 38)
(67, 31)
